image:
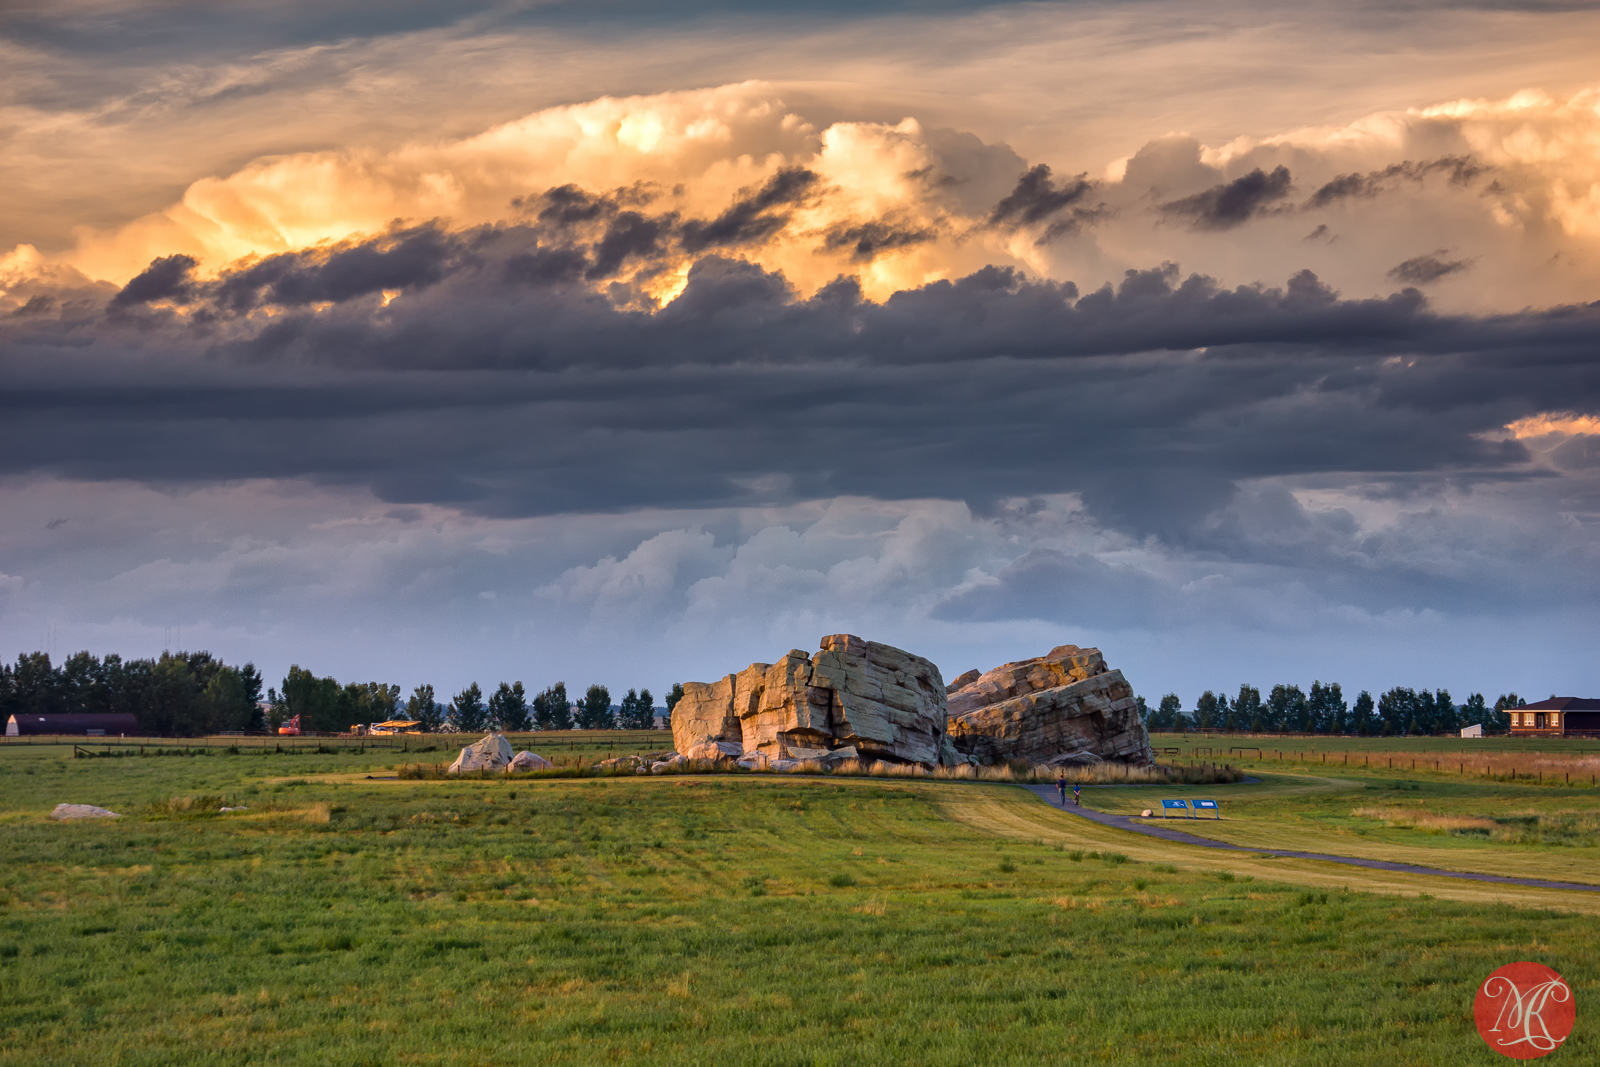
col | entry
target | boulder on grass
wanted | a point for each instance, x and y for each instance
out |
(880, 701)
(529, 761)
(491, 753)
(82, 811)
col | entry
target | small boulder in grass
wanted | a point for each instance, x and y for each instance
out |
(529, 761)
(1145, 813)
(82, 811)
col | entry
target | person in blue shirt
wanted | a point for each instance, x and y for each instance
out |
(1077, 789)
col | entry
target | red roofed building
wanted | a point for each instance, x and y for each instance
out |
(1557, 717)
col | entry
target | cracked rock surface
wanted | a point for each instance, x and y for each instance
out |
(881, 701)
(1063, 708)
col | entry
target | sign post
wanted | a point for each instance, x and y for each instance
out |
(1184, 804)
(1208, 805)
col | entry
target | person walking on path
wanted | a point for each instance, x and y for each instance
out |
(1077, 799)
(1061, 786)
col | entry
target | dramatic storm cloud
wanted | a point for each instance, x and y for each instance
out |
(644, 386)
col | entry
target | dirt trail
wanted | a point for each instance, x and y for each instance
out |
(1139, 826)
(1014, 813)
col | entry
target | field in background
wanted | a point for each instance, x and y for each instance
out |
(1542, 760)
(748, 919)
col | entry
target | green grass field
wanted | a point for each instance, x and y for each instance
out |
(716, 920)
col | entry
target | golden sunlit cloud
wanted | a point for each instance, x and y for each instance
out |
(1490, 205)
(1566, 423)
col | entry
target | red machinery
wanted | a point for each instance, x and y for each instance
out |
(291, 728)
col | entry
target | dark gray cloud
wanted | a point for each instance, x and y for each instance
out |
(1421, 270)
(1036, 198)
(867, 240)
(1461, 170)
(165, 279)
(1230, 204)
(497, 381)
(756, 216)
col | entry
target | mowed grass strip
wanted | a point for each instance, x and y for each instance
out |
(1484, 826)
(738, 920)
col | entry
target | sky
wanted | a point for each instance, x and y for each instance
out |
(633, 343)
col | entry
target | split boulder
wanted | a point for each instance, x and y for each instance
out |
(1065, 708)
(880, 701)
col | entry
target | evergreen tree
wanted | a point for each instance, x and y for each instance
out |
(467, 711)
(1329, 714)
(1205, 711)
(595, 711)
(1476, 712)
(250, 681)
(1338, 711)
(1445, 717)
(508, 708)
(552, 709)
(1286, 709)
(1362, 720)
(1225, 713)
(424, 710)
(637, 711)
(1247, 709)
(1144, 712)
(674, 695)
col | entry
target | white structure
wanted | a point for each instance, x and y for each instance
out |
(1475, 730)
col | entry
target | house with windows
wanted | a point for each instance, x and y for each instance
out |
(1557, 717)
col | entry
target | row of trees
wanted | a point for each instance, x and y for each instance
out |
(178, 694)
(1324, 710)
(188, 694)
(324, 705)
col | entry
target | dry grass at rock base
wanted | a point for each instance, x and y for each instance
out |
(1096, 774)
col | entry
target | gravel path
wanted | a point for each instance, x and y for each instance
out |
(1149, 829)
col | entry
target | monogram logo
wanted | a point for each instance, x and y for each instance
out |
(1524, 1010)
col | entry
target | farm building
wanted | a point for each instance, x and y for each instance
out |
(112, 725)
(1557, 717)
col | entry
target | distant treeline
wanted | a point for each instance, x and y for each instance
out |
(189, 694)
(1324, 710)
(181, 694)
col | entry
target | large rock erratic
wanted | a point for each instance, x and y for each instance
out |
(854, 698)
(491, 753)
(1061, 708)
